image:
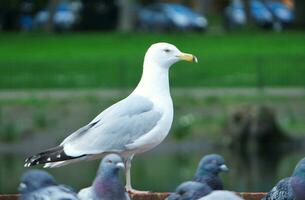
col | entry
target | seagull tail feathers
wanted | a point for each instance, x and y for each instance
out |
(54, 155)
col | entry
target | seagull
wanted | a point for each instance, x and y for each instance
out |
(107, 184)
(208, 169)
(190, 190)
(38, 184)
(290, 188)
(131, 126)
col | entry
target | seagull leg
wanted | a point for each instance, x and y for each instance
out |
(127, 173)
(128, 178)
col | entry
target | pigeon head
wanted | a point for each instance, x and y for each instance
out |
(107, 183)
(165, 54)
(111, 165)
(299, 170)
(190, 191)
(35, 179)
(213, 164)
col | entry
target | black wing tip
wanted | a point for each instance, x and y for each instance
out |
(31, 161)
(52, 155)
(43, 157)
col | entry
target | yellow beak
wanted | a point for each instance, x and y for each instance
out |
(187, 57)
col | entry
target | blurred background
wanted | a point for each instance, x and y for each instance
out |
(64, 61)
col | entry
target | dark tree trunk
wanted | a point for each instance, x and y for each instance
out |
(255, 126)
(49, 27)
(300, 12)
(247, 9)
(203, 7)
(126, 15)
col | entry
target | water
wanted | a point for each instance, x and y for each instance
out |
(165, 167)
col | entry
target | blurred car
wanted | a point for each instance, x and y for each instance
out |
(65, 18)
(235, 15)
(281, 12)
(67, 15)
(26, 15)
(41, 18)
(168, 16)
(260, 14)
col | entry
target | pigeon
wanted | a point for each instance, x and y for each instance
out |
(190, 190)
(208, 169)
(131, 126)
(290, 188)
(107, 184)
(221, 195)
(38, 184)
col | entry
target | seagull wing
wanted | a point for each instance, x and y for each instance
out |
(118, 128)
(115, 128)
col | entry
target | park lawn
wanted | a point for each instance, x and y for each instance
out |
(99, 60)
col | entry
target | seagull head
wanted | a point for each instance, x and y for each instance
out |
(35, 179)
(111, 165)
(299, 170)
(165, 55)
(213, 164)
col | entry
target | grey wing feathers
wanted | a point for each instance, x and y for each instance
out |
(129, 106)
(282, 191)
(79, 132)
(117, 126)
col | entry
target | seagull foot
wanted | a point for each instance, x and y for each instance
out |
(136, 192)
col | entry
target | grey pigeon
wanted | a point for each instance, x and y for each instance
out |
(190, 190)
(40, 185)
(208, 170)
(131, 126)
(221, 195)
(107, 184)
(290, 188)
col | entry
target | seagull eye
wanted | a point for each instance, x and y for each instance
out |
(167, 50)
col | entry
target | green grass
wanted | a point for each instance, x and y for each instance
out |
(90, 60)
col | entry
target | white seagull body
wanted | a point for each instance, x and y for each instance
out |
(133, 125)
